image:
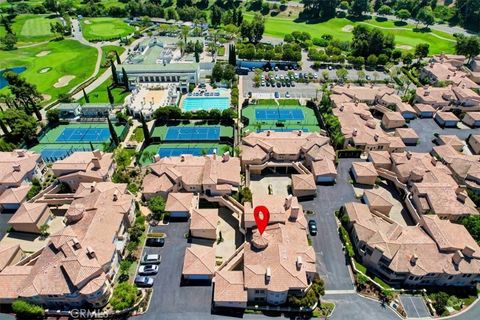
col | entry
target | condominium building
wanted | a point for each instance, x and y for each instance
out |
(19, 167)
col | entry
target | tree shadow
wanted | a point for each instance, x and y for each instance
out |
(380, 19)
(400, 23)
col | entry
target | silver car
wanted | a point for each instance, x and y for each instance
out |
(149, 269)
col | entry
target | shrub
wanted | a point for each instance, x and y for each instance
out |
(157, 206)
(27, 310)
(123, 296)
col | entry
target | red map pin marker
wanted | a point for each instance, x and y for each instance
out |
(262, 216)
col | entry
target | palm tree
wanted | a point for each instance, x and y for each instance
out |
(181, 46)
(184, 33)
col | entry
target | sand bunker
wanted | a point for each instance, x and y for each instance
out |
(42, 54)
(404, 47)
(347, 28)
(63, 81)
(87, 21)
(46, 97)
(45, 70)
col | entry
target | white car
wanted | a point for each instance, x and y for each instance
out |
(148, 269)
(287, 95)
(315, 76)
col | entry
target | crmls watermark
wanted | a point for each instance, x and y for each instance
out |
(88, 314)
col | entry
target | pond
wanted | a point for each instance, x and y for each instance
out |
(3, 82)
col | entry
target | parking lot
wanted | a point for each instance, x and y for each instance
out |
(427, 127)
(169, 298)
(414, 306)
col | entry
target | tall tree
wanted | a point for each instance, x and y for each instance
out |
(358, 7)
(114, 72)
(146, 133)
(9, 41)
(215, 16)
(320, 9)
(26, 94)
(425, 16)
(113, 133)
(110, 96)
(232, 55)
(125, 79)
(468, 46)
(85, 96)
(421, 51)
(118, 57)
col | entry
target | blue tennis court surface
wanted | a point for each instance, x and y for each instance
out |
(279, 114)
(54, 154)
(175, 152)
(84, 135)
(281, 130)
(193, 133)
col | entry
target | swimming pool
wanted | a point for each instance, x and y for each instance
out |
(3, 82)
(205, 103)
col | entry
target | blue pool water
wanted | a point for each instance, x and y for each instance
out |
(205, 103)
(3, 82)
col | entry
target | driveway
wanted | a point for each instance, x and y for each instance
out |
(170, 300)
(331, 261)
(414, 306)
(354, 306)
(427, 127)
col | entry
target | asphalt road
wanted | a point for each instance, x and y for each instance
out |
(332, 264)
(356, 307)
(427, 127)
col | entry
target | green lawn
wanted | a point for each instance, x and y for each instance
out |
(108, 53)
(100, 94)
(340, 28)
(59, 59)
(31, 28)
(137, 135)
(98, 29)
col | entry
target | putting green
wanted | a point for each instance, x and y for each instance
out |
(32, 28)
(67, 57)
(105, 28)
(404, 35)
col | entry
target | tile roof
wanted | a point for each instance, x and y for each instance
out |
(303, 182)
(16, 165)
(203, 219)
(229, 287)
(15, 195)
(28, 213)
(364, 169)
(199, 260)
(178, 201)
(7, 252)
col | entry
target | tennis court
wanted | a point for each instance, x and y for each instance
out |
(193, 133)
(84, 135)
(175, 152)
(55, 154)
(279, 114)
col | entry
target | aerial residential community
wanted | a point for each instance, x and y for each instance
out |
(227, 159)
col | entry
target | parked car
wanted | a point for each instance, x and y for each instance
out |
(155, 242)
(148, 269)
(287, 94)
(151, 259)
(312, 227)
(277, 95)
(142, 281)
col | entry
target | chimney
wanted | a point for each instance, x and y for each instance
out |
(92, 186)
(156, 158)
(20, 153)
(288, 201)
(226, 156)
(90, 252)
(375, 137)
(409, 155)
(299, 133)
(299, 262)
(413, 259)
(342, 107)
(462, 196)
(355, 131)
(457, 257)
(115, 195)
(448, 77)
(468, 251)
(294, 211)
(96, 163)
(426, 93)
(97, 154)
(433, 161)
(268, 133)
(214, 154)
(268, 275)
(182, 158)
(16, 167)
(76, 244)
